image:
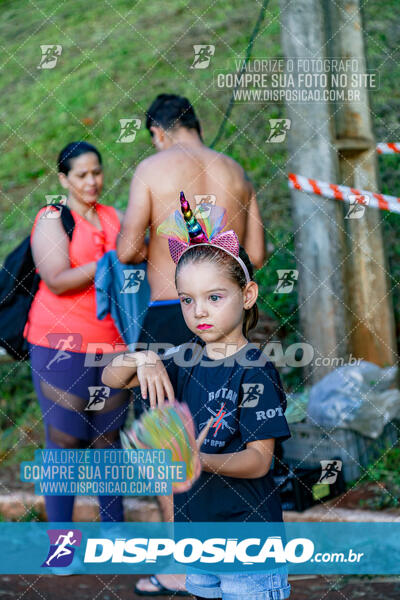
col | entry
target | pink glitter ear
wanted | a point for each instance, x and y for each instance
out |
(227, 240)
(176, 249)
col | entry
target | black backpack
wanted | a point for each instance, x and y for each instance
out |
(19, 283)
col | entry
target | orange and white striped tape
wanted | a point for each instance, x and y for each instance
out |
(386, 148)
(342, 192)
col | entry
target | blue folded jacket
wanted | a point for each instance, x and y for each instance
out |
(124, 292)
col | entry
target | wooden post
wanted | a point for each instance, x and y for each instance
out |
(317, 221)
(372, 329)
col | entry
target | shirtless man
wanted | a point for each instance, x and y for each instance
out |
(182, 162)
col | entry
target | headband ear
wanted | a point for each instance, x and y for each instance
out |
(228, 240)
(176, 249)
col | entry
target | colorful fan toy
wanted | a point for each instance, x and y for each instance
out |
(170, 427)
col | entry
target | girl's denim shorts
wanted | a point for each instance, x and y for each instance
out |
(234, 586)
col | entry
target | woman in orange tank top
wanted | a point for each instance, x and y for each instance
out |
(62, 328)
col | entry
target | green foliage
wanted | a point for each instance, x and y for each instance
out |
(381, 39)
(281, 307)
(20, 418)
(31, 514)
(386, 472)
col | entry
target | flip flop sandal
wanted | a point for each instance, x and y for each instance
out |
(161, 590)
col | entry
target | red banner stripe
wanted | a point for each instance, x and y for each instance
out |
(393, 147)
(293, 179)
(382, 203)
(338, 193)
(315, 187)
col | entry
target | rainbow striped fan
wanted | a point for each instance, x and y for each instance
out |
(170, 427)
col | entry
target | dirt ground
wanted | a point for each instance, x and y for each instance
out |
(120, 587)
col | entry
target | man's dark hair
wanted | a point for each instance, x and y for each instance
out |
(169, 111)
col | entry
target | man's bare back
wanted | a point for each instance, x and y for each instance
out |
(198, 171)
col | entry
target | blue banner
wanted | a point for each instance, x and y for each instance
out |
(117, 548)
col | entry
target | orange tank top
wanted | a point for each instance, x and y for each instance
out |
(68, 321)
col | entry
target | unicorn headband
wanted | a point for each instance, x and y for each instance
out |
(204, 229)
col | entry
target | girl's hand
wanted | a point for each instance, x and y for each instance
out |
(153, 378)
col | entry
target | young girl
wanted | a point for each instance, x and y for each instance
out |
(228, 380)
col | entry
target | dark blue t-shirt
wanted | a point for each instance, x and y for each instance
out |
(244, 394)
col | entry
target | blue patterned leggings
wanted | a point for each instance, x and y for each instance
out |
(78, 412)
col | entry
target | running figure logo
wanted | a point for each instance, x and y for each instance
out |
(128, 131)
(62, 547)
(63, 343)
(358, 202)
(203, 204)
(98, 396)
(251, 394)
(133, 279)
(219, 421)
(50, 55)
(54, 199)
(279, 129)
(287, 279)
(329, 471)
(202, 56)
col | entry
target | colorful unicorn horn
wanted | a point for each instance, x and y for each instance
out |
(196, 233)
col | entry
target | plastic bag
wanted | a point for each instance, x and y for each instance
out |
(356, 397)
(296, 410)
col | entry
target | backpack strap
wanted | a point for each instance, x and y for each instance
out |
(66, 218)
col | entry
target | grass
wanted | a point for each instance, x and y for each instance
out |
(385, 472)
(116, 56)
(20, 417)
